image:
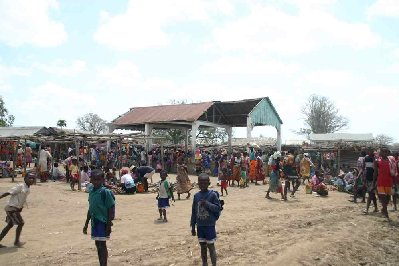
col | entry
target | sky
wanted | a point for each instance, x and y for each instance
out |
(61, 59)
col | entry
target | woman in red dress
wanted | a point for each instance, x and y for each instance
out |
(384, 177)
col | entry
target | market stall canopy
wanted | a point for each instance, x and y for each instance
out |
(230, 113)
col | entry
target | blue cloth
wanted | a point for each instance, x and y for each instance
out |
(98, 231)
(205, 214)
(206, 234)
(163, 203)
(142, 170)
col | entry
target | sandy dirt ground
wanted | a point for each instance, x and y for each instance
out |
(252, 230)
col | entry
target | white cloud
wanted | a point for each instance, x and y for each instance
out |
(124, 74)
(28, 22)
(143, 24)
(249, 65)
(392, 69)
(269, 30)
(59, 68)
(384, 8)
(312, 4)
(56, 102)
(7, 72)
(327, 79)
(395, 53)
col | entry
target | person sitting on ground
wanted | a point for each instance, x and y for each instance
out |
(127, 182)
(109, 177)
(56, 173)
(317, 184)
(350, 180)
(84, 176)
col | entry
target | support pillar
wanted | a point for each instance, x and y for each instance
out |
(249, 129)
(229, 131)
(194, 129)
(278, 143)
(186, 140)
(111, 129)
(148, 133)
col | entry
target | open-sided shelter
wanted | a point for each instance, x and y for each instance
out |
(245, 113)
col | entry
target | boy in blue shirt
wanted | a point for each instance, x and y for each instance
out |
(205, 212)
(101, 212)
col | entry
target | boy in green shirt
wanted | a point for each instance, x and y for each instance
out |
(101, 213)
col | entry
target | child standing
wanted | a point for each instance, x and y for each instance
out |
(205, 211)
(164, 193)
(14, 207)
(101, 212)
(74, 172)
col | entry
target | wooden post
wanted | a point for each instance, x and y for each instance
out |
(321, 159)
(25, 158)
(37, 165)
(339, 159)
(77, 156)
(14, 161)
(162, 153)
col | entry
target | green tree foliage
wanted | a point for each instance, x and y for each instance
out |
(212, 136)
(92, 123)
(175, 136)
(322, 116)
(61, 123)
(6, 120)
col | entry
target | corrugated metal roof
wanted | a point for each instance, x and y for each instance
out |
(9, 132)
(341, 137)
(163, 113)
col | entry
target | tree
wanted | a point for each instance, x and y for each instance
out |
(321, 116)
(212, 136)
(6, 120)
(173, 135)
(61, 123)
(383, 140)
(92, 123)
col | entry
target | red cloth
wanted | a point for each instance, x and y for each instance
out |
(223, 184)
(384, 178)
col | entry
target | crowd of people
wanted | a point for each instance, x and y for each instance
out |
(376, 174)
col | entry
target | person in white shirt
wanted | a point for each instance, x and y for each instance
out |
(44, 155)
(127, 182)
(14, 207)
(84, 176)
(56, 173)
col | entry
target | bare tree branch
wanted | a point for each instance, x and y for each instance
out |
(92, 123)
(322, 116)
